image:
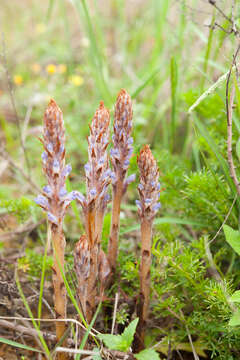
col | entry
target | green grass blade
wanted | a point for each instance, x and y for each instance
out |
(42, 282)
(207, 54)
(18, 345)
(88, 330)
(50, 9)
(95, 56)
(222, 162)
(174, 83)
(43, 342)
(164, 220)
(145, 83)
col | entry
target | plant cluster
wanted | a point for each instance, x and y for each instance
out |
(94, 269)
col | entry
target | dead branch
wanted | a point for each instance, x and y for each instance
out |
(20, 231)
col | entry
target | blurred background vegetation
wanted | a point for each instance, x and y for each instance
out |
(165, 53)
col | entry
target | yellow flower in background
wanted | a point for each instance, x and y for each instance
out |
(62, 68)
(76, 80)
(41, 28)
(51, 69)
(36, 68)
(18, 80)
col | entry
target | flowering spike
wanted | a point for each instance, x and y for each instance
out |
(98, 163)
(147, 206)
(149, 186)
(120, 157)
(98, 178)
(122, 141)
(57, 201)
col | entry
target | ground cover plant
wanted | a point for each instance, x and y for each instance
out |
(106, 272)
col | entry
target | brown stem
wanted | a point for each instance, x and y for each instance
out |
(92, 279)
(113, 241)
(58, 241)
(143, 303)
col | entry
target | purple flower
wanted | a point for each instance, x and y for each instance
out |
(101, 161)
(50, 147)
(140, 187)
(130, 141)
(157, 206)
(139, 205)
(130, 179)
(62, 192)
(41, 201)
(148, 201)
(44, 156)
(52, 218)
(47, 189)
(66, 171)
(61, 149)
(93, 192)
(107, 173)
(115, 153)
(87, 167)
(107, 198)
(130, 152)
(56, 166)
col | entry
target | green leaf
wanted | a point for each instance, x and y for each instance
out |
(129, 332)
(235, 297)
(97, 356)
(238, 148)
(120, 342)
(235, 319)
(18, 345)
(147, 354)
(232, 237)
(114, 342)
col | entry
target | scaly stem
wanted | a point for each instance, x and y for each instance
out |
(93, 273)
(58, 241)
(113, 241)
(148, 206)
(145, 279)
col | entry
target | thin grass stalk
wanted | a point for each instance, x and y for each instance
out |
(148, 206)
(55, 201)
(120, 155)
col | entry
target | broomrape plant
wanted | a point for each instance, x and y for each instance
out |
(94, 269)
